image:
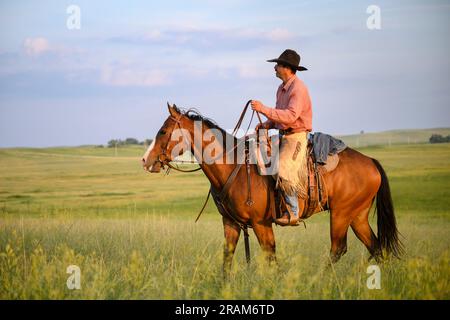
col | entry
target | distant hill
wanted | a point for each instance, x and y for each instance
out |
(384, 138)
(405, 136)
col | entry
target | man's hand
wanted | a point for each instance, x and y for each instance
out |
(264, 125)
(256, 105)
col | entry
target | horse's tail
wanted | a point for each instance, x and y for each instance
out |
(388, 235)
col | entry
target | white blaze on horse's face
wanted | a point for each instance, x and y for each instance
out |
(145, 159)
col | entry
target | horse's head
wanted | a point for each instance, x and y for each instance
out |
(162, 149)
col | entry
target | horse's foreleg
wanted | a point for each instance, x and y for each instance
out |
(266, 239)
(338, 231)
(231, 232)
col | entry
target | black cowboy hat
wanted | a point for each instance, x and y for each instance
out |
(291, 58)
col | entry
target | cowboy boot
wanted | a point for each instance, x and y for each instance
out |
(283, 221)
(288, 219)
(294, 221)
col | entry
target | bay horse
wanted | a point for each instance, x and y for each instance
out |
(352, 187)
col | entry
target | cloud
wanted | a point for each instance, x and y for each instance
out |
(36, 46)
(279, 35)
(252, 72)
(129, 76)
(189, 37)
(184, 53)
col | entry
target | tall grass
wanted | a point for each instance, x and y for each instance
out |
(155, 257)
(133, 235)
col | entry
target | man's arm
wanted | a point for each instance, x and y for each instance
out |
(284, 116)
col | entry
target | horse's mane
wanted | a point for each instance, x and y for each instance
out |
(195, 115)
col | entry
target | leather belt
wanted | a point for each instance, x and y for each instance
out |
(288, 131)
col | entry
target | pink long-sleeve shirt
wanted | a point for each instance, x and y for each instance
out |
(293, 107)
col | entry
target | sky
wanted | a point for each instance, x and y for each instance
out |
(112, 77)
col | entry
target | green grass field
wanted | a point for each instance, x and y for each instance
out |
(133, 234)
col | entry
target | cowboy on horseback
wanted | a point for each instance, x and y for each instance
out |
(292, 116)
(355, 185)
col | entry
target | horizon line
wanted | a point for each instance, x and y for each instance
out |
(335, 135)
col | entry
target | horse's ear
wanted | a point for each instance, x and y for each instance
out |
(172, 110)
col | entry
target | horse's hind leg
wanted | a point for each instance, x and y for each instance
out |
(361, 227)
(231, 232)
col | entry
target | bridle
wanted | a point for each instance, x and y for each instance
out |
(166, 162)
